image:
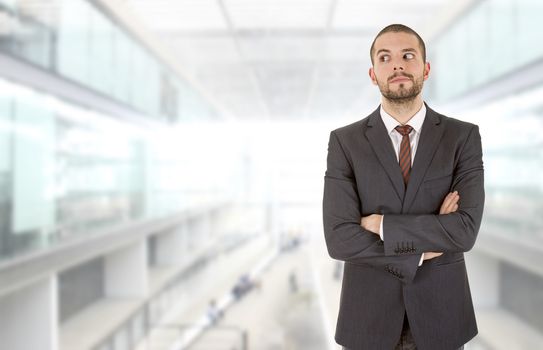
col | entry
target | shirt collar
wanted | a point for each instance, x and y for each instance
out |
(415, 122)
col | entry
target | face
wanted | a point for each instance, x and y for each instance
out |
(398, 67)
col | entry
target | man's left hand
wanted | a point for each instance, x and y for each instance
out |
(372, 223)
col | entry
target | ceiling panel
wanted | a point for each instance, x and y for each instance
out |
(378, 14)
(278, 13)
(175, 15)
(203, 50)
(347, 48)
(281, 49)
(225, 76)
(277, 58)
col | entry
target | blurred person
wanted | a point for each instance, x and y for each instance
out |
(242, 286)
(214, 314)
(293, 282)
(402, 222)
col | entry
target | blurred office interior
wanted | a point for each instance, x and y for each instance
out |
(162, 163)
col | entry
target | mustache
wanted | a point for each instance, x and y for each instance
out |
(400, 75)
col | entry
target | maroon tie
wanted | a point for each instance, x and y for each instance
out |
(405, 152)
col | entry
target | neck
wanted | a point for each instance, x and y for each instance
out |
(402, 110)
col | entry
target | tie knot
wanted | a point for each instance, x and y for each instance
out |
(404, 129)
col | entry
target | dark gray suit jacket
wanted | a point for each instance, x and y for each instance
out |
(381, 281)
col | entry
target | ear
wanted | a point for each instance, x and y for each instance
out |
(426, 70)
(371, 73)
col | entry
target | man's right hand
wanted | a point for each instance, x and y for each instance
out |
(449, 205)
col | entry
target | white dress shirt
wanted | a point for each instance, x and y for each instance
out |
(416, 123)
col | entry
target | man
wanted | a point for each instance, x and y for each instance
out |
(403, 200)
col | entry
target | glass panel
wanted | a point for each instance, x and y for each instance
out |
(513, 165)
(33, 170)
(138, 74)
(8, 26)
(34, 38)
(8, 3)
(5, 168)
(64, 171)
(96, 178)
(477, 45)
(73, 49)
(76, 40)
(122, 59)
(502, 37)
(5, 125)
(100, 49)
(529, 33)
(493, 39)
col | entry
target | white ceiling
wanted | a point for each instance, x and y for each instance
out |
(282, 59)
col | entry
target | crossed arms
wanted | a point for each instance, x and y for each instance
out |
(373, 223)
(454, 230)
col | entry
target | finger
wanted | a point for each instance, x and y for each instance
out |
(446, 201)
(444, 210)
(452, 196)
(448, 204)
(449, 201)
(455, 198)
(452, 201)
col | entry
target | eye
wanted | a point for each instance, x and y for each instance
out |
(409, 56)
(384, 58)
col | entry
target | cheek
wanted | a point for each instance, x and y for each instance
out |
(380, 74)
(417, 67)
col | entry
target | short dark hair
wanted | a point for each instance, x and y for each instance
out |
(399, 28)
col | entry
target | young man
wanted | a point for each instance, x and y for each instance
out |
(403, 200)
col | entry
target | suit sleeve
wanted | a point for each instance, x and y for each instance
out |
(345, 239)
(454, 232)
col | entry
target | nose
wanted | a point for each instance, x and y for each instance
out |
(398, 68)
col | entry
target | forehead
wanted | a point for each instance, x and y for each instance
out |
(396, 41)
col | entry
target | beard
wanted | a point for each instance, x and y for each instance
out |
(402, 94)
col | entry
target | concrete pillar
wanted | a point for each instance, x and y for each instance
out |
(29, 317)
(198, 231)
(126, 271)
(171, 247)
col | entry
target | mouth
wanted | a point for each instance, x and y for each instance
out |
(400, 80)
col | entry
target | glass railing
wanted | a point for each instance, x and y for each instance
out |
(67, 171)
(75, 40)
(494, 38)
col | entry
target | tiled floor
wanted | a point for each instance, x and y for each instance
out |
(275, 316)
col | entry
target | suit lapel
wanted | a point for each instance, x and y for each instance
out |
(432, 131)
(382, 146)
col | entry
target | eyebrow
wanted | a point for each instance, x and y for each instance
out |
(403, 50)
